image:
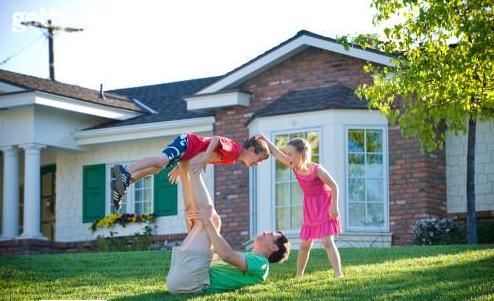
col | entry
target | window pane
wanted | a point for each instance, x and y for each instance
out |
(147, 195)
(313, 138)
(296, 193)
(281, 141)
(355, 141)
(374, 191)
(356, 189)
(138, 184)
(148, 208)
(356, 167)
(375, 215)
(282, 172)
(289, 196)
(297, 135)
(282, 194)
(374, 166)
(147, 181)
(357, 215)
(139, 208)
(296, 217)
(374, 141)
(283, 218)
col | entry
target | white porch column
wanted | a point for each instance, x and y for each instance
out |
(10, 218)
(32, 191)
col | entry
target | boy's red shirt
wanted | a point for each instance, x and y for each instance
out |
(228, 149)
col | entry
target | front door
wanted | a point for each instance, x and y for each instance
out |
(48, 174)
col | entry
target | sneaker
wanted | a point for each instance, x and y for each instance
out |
(116, 197)
(122, 178)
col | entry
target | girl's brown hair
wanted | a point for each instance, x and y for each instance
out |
(302, 146)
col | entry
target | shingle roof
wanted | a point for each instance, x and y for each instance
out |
(166, 99)
(336, 96)
(72, 91)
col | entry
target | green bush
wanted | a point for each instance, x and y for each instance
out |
(485, 231)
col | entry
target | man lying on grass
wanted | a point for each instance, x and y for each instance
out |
(192, 269)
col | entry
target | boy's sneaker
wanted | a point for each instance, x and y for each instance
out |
(116, 197)
(122, 178)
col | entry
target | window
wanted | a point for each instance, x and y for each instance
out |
(139, 196)
(288, 194)
(365, 180)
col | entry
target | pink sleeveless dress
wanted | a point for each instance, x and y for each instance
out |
(317, 198)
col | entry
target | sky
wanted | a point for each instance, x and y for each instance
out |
(135, 43)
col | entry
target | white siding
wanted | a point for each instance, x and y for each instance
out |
(456, 169)
(69, 226)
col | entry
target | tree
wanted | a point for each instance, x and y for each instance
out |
(442, 72)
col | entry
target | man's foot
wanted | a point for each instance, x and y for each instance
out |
(122, 178)
(116, 197)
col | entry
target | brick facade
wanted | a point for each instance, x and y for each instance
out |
(417, 182)
(417, 185)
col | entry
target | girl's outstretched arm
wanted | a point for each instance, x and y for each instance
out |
(275, 151)
(324, 175)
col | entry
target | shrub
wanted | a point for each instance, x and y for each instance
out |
(433, 231)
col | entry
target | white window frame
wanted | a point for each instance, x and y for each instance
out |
(130, 191)
(253, 201)
(319, 131)
(385, 227)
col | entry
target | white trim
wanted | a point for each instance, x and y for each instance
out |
(385, 227)
(290, 49)
(219, 100)
(144, 106)
(344, 240)
(319, 131)
(253, 201)
(9, 88)
(65, 103)
(143, 131)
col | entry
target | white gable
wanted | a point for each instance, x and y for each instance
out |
(290, 48)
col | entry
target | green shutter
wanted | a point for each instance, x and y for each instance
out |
(165, 194)
(93, 192)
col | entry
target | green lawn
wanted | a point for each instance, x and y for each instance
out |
(414, 273)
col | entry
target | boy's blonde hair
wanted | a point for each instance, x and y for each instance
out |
(302, 146)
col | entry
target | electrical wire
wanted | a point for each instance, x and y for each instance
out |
(20, 50)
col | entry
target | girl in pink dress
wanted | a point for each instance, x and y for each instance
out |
(321, 213)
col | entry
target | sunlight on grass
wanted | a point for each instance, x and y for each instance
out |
(410, 273)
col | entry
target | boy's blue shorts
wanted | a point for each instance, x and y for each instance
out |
(176, 149)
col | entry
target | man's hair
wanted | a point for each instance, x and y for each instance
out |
(259, 145)
(283, 251)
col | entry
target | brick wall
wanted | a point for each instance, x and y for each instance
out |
(417, 184)
(310, 68)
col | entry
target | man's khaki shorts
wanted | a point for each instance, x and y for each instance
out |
(189, 271)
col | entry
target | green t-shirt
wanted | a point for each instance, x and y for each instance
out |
(224, 276)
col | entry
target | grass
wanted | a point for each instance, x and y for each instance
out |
(408, 273)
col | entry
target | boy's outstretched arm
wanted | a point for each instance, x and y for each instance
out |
(275, 151)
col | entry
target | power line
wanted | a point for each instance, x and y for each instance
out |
(20, 50)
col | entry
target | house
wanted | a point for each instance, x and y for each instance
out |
(58, 142)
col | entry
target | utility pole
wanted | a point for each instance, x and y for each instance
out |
(50, 28)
